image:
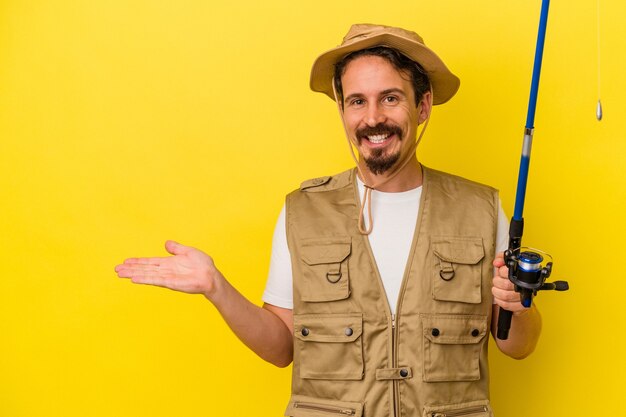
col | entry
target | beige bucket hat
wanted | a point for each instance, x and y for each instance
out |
(362, 36)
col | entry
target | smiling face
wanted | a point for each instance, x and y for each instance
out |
(380, 112)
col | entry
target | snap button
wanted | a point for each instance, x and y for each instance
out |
(435, 332)
(475, 332)
(404, 373)
(349, 331)
(304, 331)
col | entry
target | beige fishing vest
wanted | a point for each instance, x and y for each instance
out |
(352, 356)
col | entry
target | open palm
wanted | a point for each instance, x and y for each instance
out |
(189, 270)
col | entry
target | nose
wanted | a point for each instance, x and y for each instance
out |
(374, 115)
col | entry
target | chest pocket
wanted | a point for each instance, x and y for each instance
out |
(457, 269)
(325, 274)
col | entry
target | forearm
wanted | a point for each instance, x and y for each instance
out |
(267, 333)
(523, 335)
(258, 328)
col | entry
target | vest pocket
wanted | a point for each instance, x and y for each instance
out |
(457, 269)
(303, 406)
(329, 346)
(325, 269)
(452, 346)
(470, 409)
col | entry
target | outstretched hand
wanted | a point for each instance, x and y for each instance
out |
(189, 270)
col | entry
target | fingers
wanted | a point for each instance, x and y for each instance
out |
(135, 269)
(503, 285)
(138, 267)
(133, 266)
(515, 307)
(501, 269)
(156, 261)
(505, 296)
(499, 261)
(149, 278)
(503, 289)
(147, 274)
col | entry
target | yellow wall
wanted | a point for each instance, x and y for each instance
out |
(125, 123)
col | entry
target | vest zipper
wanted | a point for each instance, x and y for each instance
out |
(394, 364)
(463, 412)
(394, 348)
(325, 408)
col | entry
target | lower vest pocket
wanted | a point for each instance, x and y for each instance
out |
(469, 409)
(303, 406)
(452, 346)
(328, 346)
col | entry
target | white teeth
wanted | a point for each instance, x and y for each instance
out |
(378, 138)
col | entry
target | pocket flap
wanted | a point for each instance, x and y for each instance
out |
(454, 329)
(326, 251)
(330, 328)
(303, 406)
(459, 250)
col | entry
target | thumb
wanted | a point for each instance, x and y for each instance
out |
(176, 248)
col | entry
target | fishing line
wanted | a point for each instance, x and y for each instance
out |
(599, 105)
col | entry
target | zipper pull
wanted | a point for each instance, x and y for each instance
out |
(393, 321)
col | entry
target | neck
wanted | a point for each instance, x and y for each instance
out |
(408, 178)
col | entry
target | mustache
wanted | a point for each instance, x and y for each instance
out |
(379, 129)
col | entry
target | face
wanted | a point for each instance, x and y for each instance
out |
(380, 112)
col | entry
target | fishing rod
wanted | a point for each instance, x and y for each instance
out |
(526, 269)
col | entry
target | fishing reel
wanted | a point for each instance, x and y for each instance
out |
(528, 273)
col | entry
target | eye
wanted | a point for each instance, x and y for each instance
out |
(390, 99)
(357, 102)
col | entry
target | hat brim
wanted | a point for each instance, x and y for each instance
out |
(444, 83)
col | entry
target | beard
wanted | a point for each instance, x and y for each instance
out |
(378, 162)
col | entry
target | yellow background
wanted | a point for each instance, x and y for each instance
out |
(125, 123)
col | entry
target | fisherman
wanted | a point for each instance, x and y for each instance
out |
(381, 288)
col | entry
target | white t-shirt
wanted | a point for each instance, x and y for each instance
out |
(394, 216)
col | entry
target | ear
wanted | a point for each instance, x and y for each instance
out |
(425, 107)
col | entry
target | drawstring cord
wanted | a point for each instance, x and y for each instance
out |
(366, 229)
(367, 197)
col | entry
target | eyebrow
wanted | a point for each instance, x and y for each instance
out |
(393, 90)
(382, 93)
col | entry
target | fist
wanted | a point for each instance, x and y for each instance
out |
(503, 289)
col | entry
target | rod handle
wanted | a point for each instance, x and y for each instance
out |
(504, 324)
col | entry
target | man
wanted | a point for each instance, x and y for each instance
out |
(381, 286)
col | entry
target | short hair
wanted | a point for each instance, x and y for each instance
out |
(399, 61)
